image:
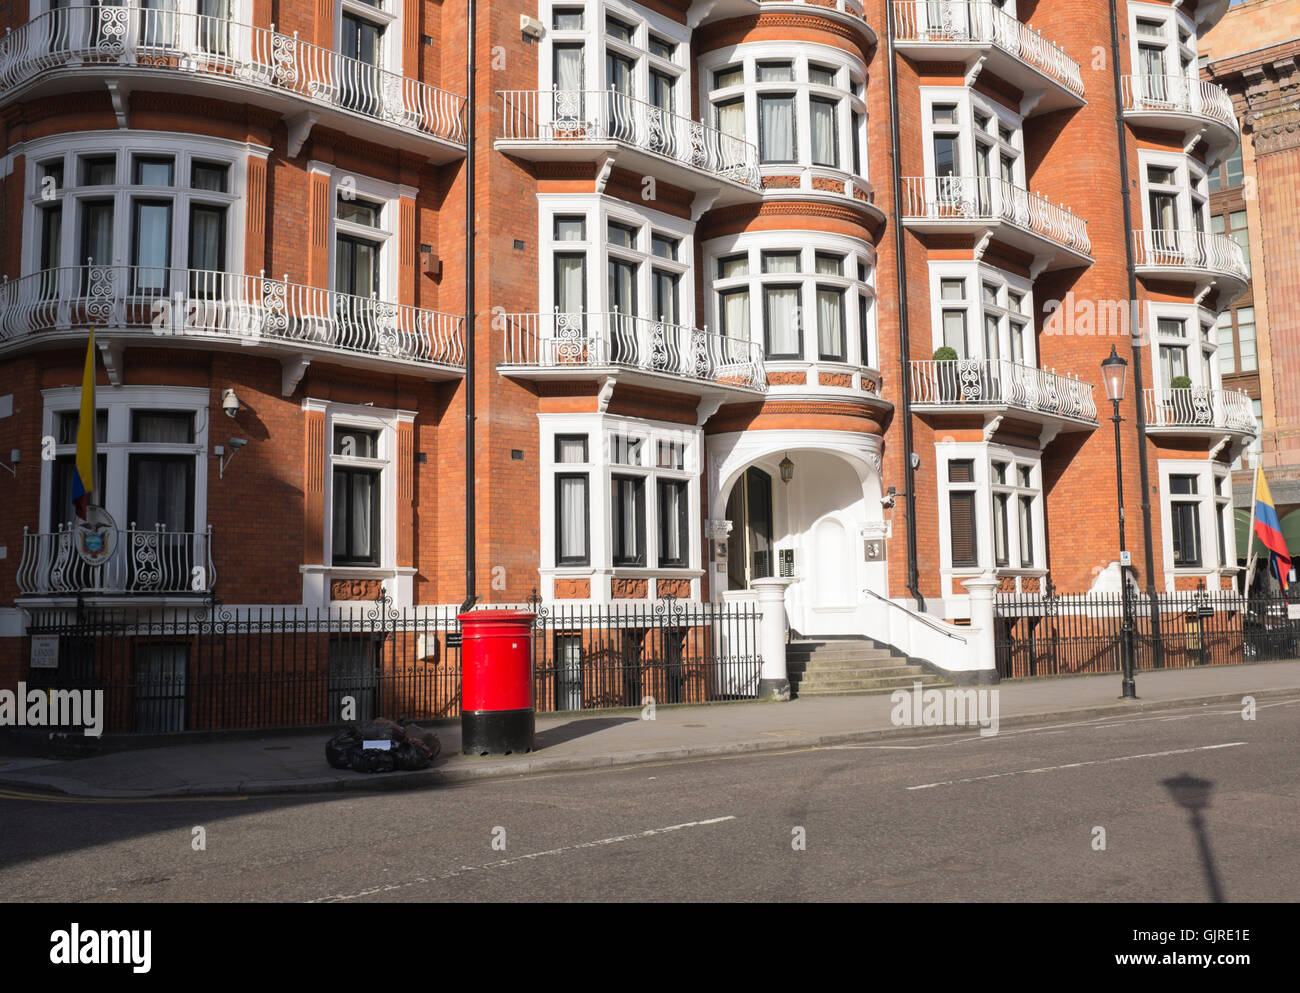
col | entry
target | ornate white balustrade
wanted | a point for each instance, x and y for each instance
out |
(141, 561)
(194, 303)
(576, 117)
(1201, 251)
(958, 199)
(979, 382)
(1179, 95)
(560, 341)
(964, 22)
(133, 37)
(1197, 407)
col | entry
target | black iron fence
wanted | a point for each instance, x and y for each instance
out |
(1052, 634)
(179, 669)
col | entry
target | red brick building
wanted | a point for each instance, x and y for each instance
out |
(718, 247)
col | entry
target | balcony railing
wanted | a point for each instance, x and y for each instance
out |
(141, 561)
(978, 21)
(982, 382)
(981, 198)
(1179, 95)
(578, 116)
(1201, 250)
(200, 303)
(137, 38)
(597, 340)
(1197, 407)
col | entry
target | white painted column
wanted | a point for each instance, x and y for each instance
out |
(981, 625)
(774, 680)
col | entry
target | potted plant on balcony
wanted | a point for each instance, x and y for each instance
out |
(947, 374)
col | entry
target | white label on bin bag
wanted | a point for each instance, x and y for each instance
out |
(382, 744)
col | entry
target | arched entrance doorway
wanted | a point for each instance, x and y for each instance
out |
(811, 527)
(749, 546)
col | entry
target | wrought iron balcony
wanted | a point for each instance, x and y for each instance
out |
(980, 384)
(1195, 410)
(184, 305)
(589, 124)
(1190, 105)
(980, 203)
(117, 40)
(1200, 256)
(561, 345)
(969, 30)
(150, 562)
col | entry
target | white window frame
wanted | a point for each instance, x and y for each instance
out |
(968, 102)
(390, 54)
(119, 402)
(1199, 339)
(976, 274)
(1176, 23)
(596, 43)
(1190, 189)
(984, 454)
(388, 196)
(183, 149)
(857, 253)
(364, 418)
(600, 430)
(850, 76)
(1208, 475)
(598, 210)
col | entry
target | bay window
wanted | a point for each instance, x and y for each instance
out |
(572, 501)
(961, 513)
(1184, 513)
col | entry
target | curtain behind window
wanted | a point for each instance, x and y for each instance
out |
(830, 323)
(776, 122)
(735, 314)
(824, 144)
(572, 496)
(781, 318)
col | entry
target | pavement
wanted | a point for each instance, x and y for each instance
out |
(277, 764)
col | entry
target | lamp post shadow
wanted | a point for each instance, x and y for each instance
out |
(1193, 795)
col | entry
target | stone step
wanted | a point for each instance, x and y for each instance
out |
(890, 682)
(817, 665)
(862, 691)
(889, 672)
(858, 653)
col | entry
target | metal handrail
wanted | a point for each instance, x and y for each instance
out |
(955, 382)
(592, 339)
(918, 616)
(965, 21)
(1197, 406)
(983, 198)
(129, 36)
(170, 301)
(144, 560)
(1189, 250)
(1179, 94)
(606, 115)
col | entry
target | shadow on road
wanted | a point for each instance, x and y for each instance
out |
(1193, 795)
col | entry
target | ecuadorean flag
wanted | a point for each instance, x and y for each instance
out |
(1269, 530)
(83, 480)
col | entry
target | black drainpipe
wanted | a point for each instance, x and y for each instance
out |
(905, 359)
(471, 583)
(1140, 418)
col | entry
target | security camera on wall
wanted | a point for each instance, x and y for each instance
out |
(530, 26)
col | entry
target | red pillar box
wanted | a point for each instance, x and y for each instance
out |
(496, 696)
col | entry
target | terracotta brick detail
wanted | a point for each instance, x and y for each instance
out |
(630, 589)
(680, 588)
(572, 589)
(356, 589)
(787, 379)
(840, 379)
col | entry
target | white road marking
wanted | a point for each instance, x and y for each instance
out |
(1077, 765)
(502, 863)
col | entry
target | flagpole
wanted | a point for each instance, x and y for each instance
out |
(1250, 531)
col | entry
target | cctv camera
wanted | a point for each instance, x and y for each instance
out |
(229, 402)
(238, 442)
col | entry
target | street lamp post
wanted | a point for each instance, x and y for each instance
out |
(1114, 372)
